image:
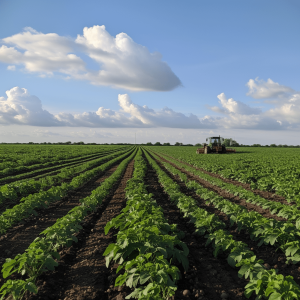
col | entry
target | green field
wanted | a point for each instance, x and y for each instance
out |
(155, 222)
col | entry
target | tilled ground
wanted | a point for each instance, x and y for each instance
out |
(39, 172)
(272, 258)
(246, 186)
(8, 205)
(82, 273)
(18, 238)
(208, 277)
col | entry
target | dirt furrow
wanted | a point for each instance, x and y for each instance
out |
(82, 273)
(207, 276)
(18, 238)
(272, 258)
(235, 199)
(246, 186)
(51, 172)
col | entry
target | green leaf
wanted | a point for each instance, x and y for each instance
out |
(144, 277)
(31, 287)
(275, 296)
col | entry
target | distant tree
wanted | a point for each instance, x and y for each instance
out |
(273, 145)
(149, 144)
(157, 144)
(279, 145)
(285, 145)
(198, 145)
(166, 144)
(178, 144)
(68, 143)
(256, 145)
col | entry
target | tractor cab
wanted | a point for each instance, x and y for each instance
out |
(215, 144)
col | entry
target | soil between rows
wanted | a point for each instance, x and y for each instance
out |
(227, 195)
(52, 172)
(82, 273)
(9, 205)
(272, 258)
(264, 194)
(207, 275)
(18, 238)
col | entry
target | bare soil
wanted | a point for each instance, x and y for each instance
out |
(265, 194)
(18, 238)
(82, 273)
(208, 275)
(272, 258)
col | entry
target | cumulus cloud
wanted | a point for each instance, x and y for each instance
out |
(231, 106)
(19, 107)
(284, 115)
(260, 89)
(121, 62)
(11, 68)
(22, 108)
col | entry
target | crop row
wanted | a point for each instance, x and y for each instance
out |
(52, 165)
(276, 170)
(42, 254)
(262, 282)
(281, 234)
(15, 155)
(43, 199)
(13, 191)
(146, 244)
(290, 212)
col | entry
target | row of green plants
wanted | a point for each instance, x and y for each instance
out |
(274, 170)
(281, 234)
(43, 199)
(10, 193)
(147, 247)
(42, 255)
(36, 174)
(52, 165)
(12, 156)
(290, 212)
(264, 283)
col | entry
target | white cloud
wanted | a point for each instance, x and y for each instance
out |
(260, 89)
(11, 68)
(122, 62)
(285, 114)
(21, 108)
(232, 106)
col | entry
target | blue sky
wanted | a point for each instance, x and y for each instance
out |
(207, 48)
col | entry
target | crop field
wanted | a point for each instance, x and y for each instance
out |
(156, 222)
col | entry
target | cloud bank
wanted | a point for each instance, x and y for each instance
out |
(121, 62)
(22, 108)
(19, 107)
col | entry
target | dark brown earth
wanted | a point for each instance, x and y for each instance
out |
(235, 199)
(18, 238)
(82, 273)
(7, 205)
(207, 275)
(46, 172)
(273, 259)
(246, 186)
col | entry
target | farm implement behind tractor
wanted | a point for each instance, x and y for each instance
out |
(215, 145)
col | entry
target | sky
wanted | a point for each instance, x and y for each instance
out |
(163, 71)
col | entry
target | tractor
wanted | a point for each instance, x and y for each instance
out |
(214, 146)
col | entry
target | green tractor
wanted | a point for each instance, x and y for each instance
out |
(215, 145)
